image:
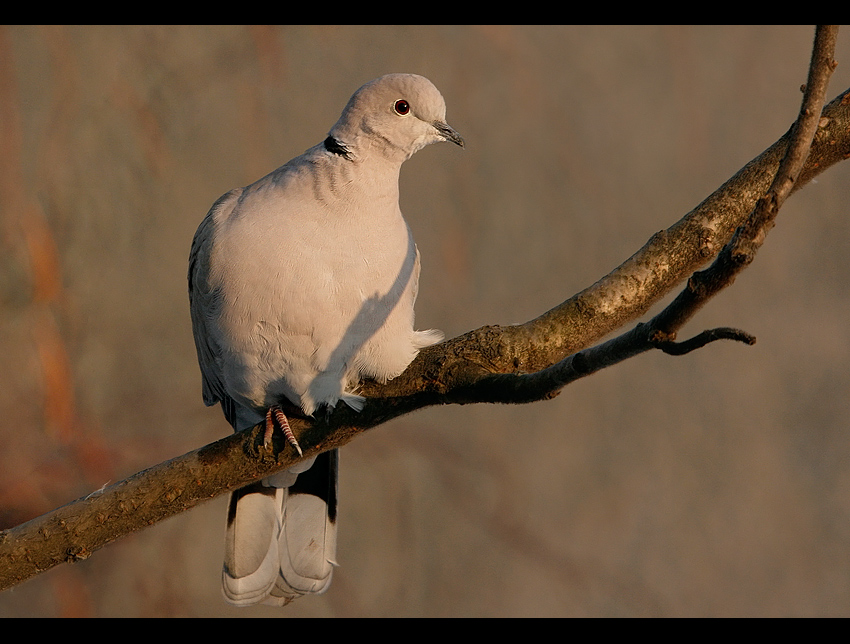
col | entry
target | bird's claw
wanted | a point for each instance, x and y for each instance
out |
(276, 413)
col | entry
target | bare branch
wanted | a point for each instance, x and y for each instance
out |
(748, 238)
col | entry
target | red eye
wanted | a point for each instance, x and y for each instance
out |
(401, 107)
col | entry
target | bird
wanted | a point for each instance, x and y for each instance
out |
(301, 285)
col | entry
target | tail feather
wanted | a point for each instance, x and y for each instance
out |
(281, 541)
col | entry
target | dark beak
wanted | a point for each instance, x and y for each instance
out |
(448, 133)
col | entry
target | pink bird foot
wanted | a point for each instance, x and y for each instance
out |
(276, 413)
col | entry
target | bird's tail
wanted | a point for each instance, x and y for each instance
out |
(281, 535)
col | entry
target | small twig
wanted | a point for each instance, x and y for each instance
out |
(668, 345)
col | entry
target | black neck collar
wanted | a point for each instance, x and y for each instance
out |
(335, 147)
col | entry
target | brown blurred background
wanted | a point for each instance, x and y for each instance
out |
(716, 484)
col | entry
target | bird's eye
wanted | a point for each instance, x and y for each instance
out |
(401, 107)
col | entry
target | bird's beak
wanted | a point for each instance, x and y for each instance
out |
(448, 133)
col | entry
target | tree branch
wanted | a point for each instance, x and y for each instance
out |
(748, 238)
(508, 364)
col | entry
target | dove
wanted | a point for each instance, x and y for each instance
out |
(301, 285)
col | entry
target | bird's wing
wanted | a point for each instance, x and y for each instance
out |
(204, 302)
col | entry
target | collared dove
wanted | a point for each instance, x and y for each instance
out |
(300, 285)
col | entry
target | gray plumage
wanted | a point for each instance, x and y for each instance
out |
(300, 285)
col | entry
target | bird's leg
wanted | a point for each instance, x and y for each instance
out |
(276, 413)
(267, 435)
(284, 426)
